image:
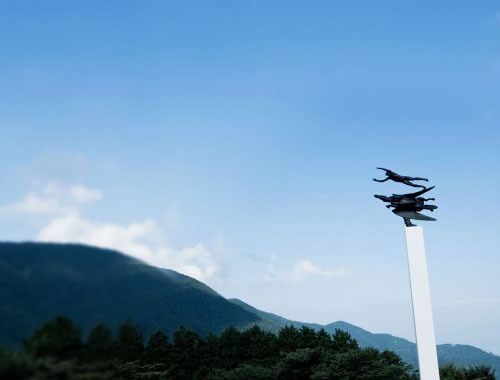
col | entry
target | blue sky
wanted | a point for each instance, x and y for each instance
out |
(236, 141)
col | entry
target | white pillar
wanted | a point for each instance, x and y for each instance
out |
(422, 308)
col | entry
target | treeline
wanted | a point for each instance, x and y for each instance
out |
(56, 351)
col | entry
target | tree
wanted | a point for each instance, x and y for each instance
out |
(99, 343)
(14, 366)
(361, 364)
(481, 372)
(245, 372)
(129, 343)
(298, 365)
(324, 339)
(288, 338)
(343, 341)
(158, 349)
(58, 338)
(186, 355)
(258, 346)
(231, 349)
(308, 337)
(452, 372)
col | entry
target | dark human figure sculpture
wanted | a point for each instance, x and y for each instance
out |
(408, 206)
(400, 178)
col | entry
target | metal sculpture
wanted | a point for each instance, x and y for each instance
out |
(400, 178)
(407, 206)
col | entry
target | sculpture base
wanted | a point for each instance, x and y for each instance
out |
(422, 308)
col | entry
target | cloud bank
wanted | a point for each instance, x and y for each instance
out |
(59, 209)
(60, 206)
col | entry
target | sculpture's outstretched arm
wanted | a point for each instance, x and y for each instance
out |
(419, 179)
(429, 207)
(381, 180)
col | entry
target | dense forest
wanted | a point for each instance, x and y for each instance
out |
(56, 351)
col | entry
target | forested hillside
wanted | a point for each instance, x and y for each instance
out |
(57, 351)
(91, 286)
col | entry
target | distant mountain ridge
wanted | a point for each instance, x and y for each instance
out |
(464, 355)
(93, 285)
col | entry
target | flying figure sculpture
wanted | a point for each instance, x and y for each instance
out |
(407, 206)
(400, 178)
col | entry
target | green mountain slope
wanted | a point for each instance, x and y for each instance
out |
(272, 322)
(404, 348)
(92, 285)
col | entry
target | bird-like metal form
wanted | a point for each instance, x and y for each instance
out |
(400, 178)
(407, 206)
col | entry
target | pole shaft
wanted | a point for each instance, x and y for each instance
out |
(422, 307)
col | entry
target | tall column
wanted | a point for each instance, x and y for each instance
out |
(422, 308)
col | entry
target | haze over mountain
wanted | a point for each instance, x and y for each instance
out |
(93, 285)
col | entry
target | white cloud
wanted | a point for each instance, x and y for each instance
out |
(84, 194)
(145, 240)
(141, 240)
(305, 268)
(32, 204)
(73, 228)
(71, 194)
(59, 206)
(52, 198)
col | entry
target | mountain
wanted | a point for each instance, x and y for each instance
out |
(93, 285)
(463, 355)
(447, 353)
(272, 322)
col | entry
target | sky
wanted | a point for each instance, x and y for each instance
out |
(235, 141)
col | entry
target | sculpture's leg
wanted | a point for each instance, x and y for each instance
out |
(381, 180)
(419, 179)
(408, 222)
(406, 182)
(422, 308)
